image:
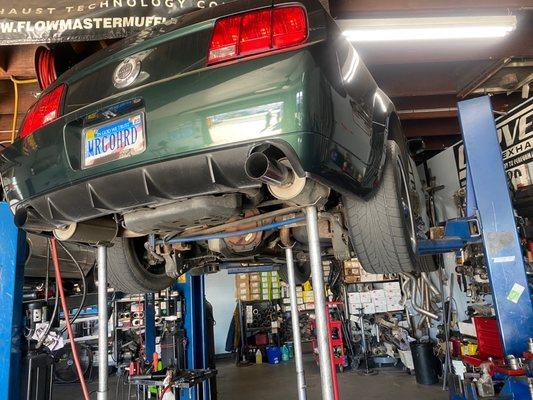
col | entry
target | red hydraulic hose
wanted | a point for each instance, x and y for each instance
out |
(55, 259)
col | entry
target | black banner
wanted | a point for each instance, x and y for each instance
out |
(515, 133)
(52, 21)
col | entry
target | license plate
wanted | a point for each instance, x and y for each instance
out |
(114, 140)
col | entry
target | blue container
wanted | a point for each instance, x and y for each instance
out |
(273, 354)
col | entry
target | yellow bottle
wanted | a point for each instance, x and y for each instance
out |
(258, 357)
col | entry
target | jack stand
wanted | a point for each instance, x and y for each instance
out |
(295, 320)
(12, 257)
(317, 277)
(102, 323)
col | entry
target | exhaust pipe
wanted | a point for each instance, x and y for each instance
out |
(260, 168)
(29, 220)
(95, 231)
(282, 181)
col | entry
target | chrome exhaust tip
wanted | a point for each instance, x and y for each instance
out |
(28, 220)
(259, 167)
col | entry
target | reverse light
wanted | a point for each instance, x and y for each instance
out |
(257, 32)
(47, 109)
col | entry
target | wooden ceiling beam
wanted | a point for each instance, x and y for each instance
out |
(17, 61)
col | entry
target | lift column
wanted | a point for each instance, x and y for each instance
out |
(12, 257)
(488, 197)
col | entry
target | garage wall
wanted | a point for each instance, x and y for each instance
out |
(220, 292)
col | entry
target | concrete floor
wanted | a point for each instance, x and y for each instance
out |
(262, 382)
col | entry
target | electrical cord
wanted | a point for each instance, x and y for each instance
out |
(84, 293)
(75, 355)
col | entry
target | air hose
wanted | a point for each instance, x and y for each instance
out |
(76, 356)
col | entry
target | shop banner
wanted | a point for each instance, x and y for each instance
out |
(515, 133)
(52, 21)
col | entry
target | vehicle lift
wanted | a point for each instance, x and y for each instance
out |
(490, 220)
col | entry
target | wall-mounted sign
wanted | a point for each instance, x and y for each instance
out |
(515, 133)
(51, 21)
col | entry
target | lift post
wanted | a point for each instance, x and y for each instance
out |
(295, 322)
(317, 278)
(12, 257)
(490, 219)
(102, 323)
(192, 289)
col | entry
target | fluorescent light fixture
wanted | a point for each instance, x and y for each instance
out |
(432, 28)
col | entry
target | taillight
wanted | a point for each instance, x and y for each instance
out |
(257, 32)
(44, 111)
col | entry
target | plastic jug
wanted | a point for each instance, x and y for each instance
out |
(258, 357)
(284, 353)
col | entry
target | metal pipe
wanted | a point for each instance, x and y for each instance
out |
(275, 225)
(431, 285)
(417, 308)
(295, 319)
(102, 323)
(29, 220)
(317, 277)
(259, 167)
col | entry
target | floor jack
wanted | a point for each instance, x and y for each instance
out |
(490, 220)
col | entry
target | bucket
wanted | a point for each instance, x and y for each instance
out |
(424, 363)
(273, 354)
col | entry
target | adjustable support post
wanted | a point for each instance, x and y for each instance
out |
(317, 277)
(295, 320)
(102, 323)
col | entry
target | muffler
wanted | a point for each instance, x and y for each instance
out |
(282, 181)
(95, 231)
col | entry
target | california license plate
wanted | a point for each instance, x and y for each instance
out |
(120, 138)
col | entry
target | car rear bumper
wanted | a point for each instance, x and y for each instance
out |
(213, 172)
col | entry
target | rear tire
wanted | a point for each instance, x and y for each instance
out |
(127, 272)
(381, 227)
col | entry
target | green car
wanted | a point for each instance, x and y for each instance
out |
(227, 118)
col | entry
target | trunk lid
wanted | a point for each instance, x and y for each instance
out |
(174, 48)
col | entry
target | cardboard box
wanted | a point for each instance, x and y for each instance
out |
(308, 297)
(255, 296)
(380, 308)
(354, 308)
(369, 308)
(378, 295)
(391, 286)
(254, 277)
(354, 297)
(255, 285)
(244, 297)
(366, 297)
